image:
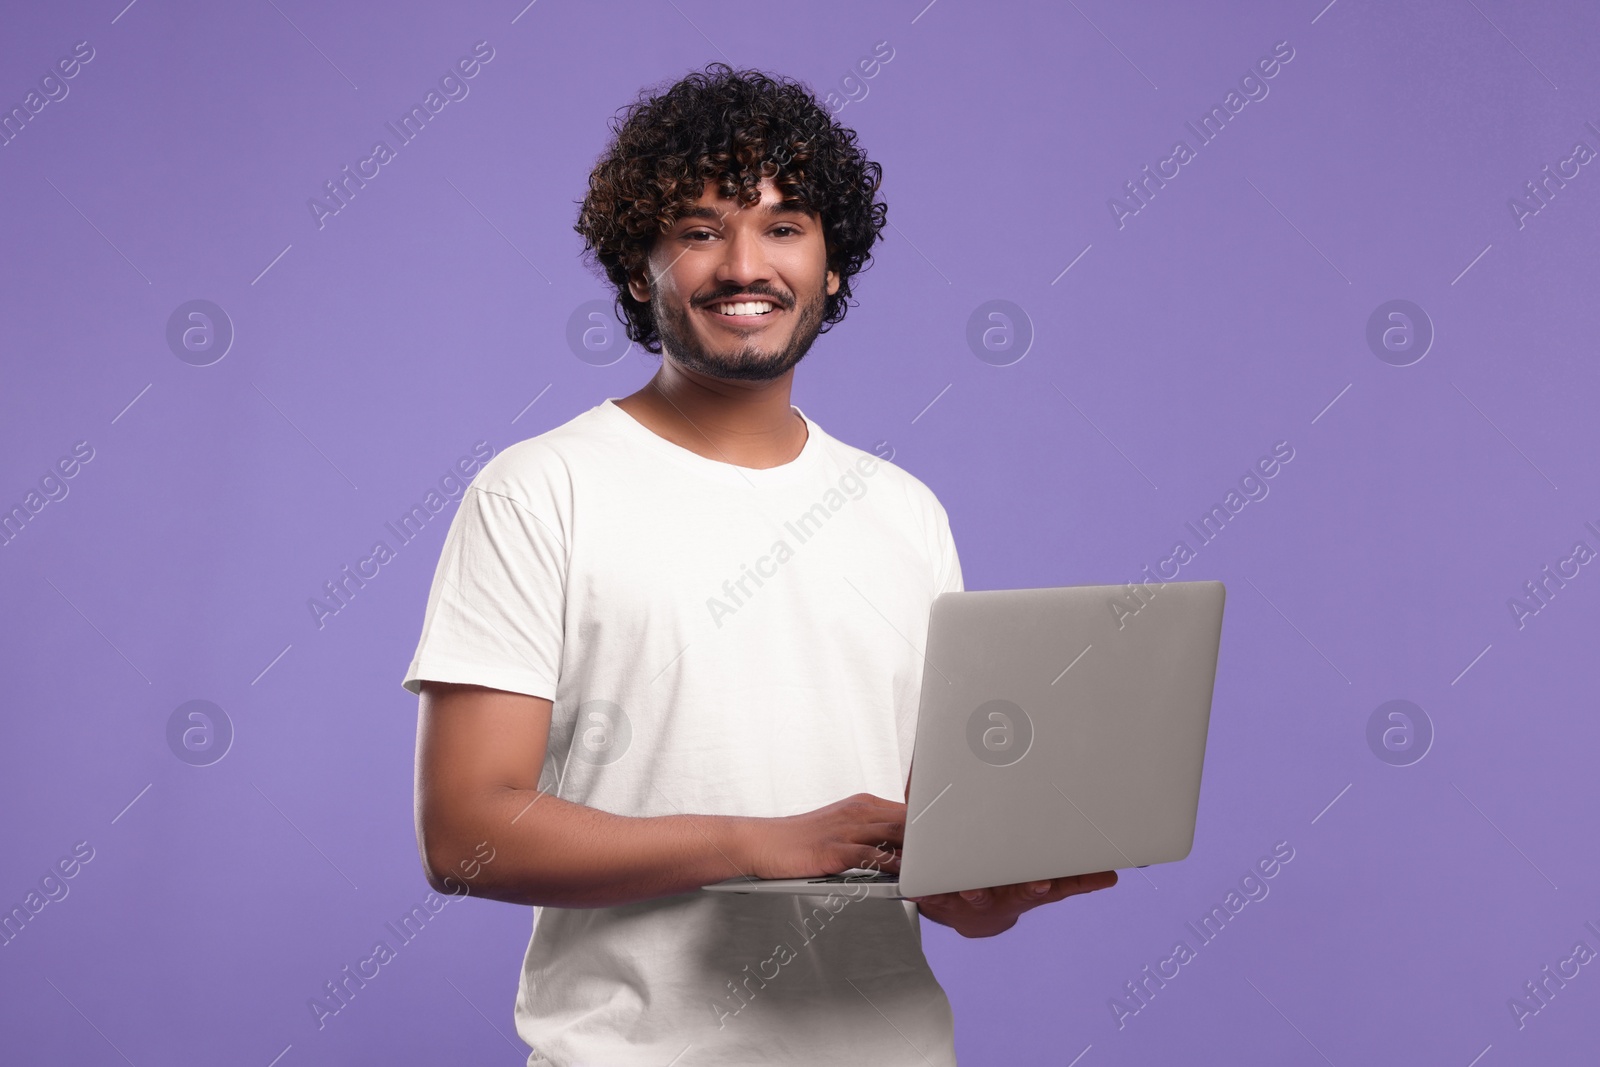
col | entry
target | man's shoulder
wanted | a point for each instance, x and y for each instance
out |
(532, 468)
(873, 468)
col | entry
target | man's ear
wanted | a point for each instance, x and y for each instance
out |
(638, 286)
(833, 282)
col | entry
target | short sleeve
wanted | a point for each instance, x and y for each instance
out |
(496, 608)
(949, 580)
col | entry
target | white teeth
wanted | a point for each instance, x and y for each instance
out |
(754, 307)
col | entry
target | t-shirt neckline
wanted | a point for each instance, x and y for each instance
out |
(783, 474)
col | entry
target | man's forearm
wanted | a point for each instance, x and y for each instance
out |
(552, 852)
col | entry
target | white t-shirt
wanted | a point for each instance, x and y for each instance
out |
(721, 640)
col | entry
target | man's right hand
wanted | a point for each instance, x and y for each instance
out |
(859, 831)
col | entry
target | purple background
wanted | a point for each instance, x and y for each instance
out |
(1228, 314)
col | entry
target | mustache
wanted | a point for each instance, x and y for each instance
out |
(750, 294)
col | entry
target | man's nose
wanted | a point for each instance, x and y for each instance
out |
(744, 260)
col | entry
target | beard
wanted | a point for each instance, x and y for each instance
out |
(750, 361)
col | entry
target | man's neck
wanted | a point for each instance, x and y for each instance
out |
(749, 424)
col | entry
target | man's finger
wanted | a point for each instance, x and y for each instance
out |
(892, 832)
(1098, 880)
(1030, 894)
(885, 859)
(1087, 883)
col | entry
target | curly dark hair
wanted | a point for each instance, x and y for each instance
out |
(734, 128)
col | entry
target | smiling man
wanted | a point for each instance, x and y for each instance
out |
(611, 744)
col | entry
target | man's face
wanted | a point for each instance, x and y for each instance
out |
(769, 254)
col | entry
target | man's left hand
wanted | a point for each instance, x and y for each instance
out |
(986, 912)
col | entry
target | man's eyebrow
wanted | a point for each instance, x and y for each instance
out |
(711, 214)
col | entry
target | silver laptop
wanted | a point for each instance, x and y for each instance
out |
(1061, 732)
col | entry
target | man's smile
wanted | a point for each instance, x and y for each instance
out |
(747, 313)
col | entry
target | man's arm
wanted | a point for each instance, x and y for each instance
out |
(479, 754)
